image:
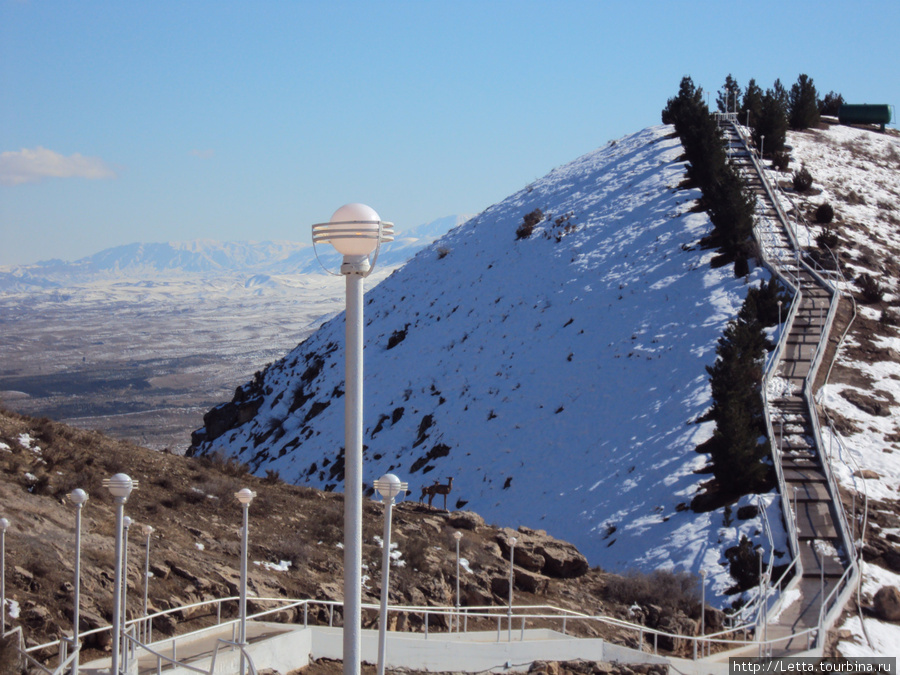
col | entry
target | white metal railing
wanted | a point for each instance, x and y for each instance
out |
(452, 619)
(827, 280)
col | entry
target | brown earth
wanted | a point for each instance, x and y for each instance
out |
(195, 546)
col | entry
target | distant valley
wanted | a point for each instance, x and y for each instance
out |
(141, 340)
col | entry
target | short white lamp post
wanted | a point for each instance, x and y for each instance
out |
(4, 525)
(457, 536)
(244, 496)
(147, 530)
(78, 497)
(388, 486)
(762, 146)
(120, 487)
(126, 523)
(702, 610)
(356, 231)
(512, 555)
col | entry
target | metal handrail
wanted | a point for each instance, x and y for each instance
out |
(813, 267)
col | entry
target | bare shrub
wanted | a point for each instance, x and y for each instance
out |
(668, 590)
(230, 466)
(442, 252)
(415, 551)
(328, 526)
(827, 239)
(529, 222)
(871, 290)
(854, 198)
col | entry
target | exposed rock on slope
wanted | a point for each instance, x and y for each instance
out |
(294, 543)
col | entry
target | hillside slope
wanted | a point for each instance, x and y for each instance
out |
(556, 377)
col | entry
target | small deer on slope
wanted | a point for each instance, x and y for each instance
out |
(437, 488)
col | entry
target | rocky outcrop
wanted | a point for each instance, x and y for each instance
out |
(887, 603)
(537, 551)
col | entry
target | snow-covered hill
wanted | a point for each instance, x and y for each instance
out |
(556, 378)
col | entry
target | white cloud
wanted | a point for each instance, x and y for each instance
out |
(203, 154)
(32, 166)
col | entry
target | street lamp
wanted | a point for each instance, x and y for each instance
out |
(356, 231)
(78, 497)
(762, 147)
(457, 536)
(244, 496)
(147, 530)
(388, 486)
(126, 523)
(512, 554)
(4, 525)
(702, 608)
(120, 487)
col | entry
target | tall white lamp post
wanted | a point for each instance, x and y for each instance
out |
(512, 555)
(356, 231)
(147, 530)
(4, 525)
(120, 487)
(457, 536)
(388, 486)
(78, 497)
(244, 496)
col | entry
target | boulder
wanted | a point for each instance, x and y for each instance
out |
(714, 619)
(562, 560)
(465, 520)
(676, 625)
(528, 559)
(530, 582)
(887, 603)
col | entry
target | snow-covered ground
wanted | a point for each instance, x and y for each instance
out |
(856, 171)
(556, 378)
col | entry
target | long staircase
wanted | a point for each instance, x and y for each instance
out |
(824, 568)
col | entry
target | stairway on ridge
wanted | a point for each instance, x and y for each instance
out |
(821, 555)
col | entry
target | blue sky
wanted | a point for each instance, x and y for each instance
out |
(156, 121)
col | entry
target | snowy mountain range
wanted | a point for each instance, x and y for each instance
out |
(255, 260)
(556, 376)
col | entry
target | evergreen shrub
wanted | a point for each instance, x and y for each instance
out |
(824, 214)
(803, 180)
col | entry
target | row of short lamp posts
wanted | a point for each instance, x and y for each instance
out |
(120, 486)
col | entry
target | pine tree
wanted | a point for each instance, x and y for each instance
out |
(771, 123)
(685, 106)
(803, 108)
(752, 103)
(781, 95)
(727, 100)
(831, 104)
(731, 204)
(736, 380)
